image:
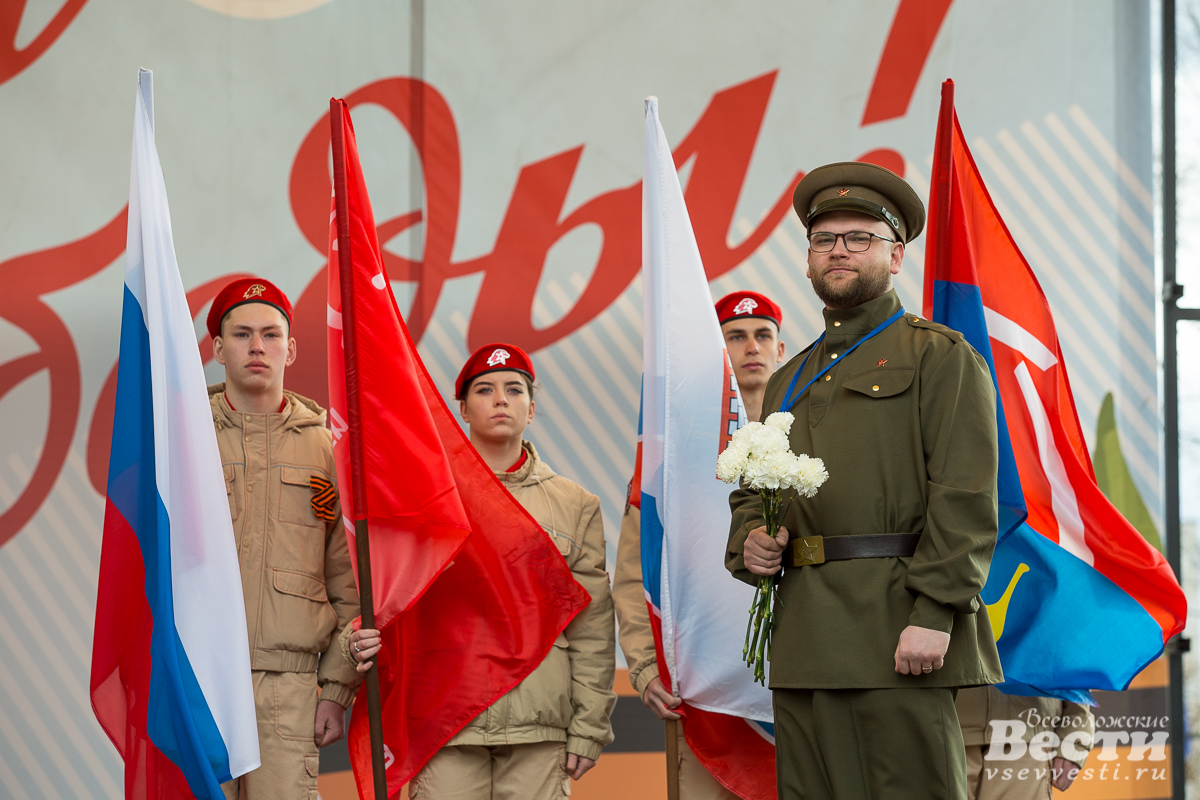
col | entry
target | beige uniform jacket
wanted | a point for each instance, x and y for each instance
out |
(978, 707)
(906, 425)
(296, 575)
(629, 598)
(569, 697)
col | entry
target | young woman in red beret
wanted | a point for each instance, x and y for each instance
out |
(555, 722)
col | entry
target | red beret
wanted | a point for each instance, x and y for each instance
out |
(748, 304)
(492, 358)
(242, 291)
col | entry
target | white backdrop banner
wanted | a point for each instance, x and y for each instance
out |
(502, 146)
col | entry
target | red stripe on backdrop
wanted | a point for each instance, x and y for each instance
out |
(914, 30)
(120, 682)
(26, 280)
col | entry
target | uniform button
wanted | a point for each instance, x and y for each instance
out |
(837, 324)
(874, 388)
(834, 355)
(828, 377)
(247, 438)
(249, 488)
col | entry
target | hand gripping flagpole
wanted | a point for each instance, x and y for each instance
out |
(354, 431)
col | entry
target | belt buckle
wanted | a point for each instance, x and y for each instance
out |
(808, 550)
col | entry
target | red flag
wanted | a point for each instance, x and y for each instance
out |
(454, 645)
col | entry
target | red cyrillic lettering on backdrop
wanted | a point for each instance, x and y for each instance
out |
(26, 279)
(720, 147)
(721, 144)
(914, 29)
(12, 60)
(885, 157)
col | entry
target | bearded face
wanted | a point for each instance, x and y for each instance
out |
(844, 279)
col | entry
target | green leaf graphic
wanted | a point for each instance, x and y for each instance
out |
(1112, 475)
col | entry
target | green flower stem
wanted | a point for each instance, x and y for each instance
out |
(762, 610)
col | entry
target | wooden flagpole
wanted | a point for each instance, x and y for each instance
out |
(673, 731)
(354, 431)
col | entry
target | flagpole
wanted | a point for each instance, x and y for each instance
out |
(1172, 315)
(673, 759)
(354, 431)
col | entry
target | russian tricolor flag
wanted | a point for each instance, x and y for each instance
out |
(1077, 598)
(690, 408)
(170, 677)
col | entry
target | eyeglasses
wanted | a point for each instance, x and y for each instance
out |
(855, 241)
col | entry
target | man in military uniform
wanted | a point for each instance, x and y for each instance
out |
(750, 325)
(879, 619)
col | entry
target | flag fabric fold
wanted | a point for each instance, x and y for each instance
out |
(690, 408)
(1078, 599)
(169, 683)
(470, 592)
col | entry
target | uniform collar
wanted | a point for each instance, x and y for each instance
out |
(861, 319)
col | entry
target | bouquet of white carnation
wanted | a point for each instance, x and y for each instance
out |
(760, 457)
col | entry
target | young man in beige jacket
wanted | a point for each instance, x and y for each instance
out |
(297, 581)
(750, 324)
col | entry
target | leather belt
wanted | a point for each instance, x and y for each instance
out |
(809, 550)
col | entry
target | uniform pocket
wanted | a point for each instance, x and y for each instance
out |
(298, 584)
(544, 698)
(298, 542)
(296, 495)
(294, 705)
(882, 382)
(564, 782)
(568, 548)
(232, 491)
(302, 617)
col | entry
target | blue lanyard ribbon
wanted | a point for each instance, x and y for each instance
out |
(789, 401)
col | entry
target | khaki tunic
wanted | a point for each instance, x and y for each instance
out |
(629, 599)
(296, 576)
(569, 697)
(906, 426)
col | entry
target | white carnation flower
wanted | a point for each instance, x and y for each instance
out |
(731, 463)
(781, 420)
(764, 439)
(758, 474)
(806, 474)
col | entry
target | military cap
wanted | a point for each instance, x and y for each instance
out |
(492, 358)
(865, 188)
(737, 305)
(242, 291)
